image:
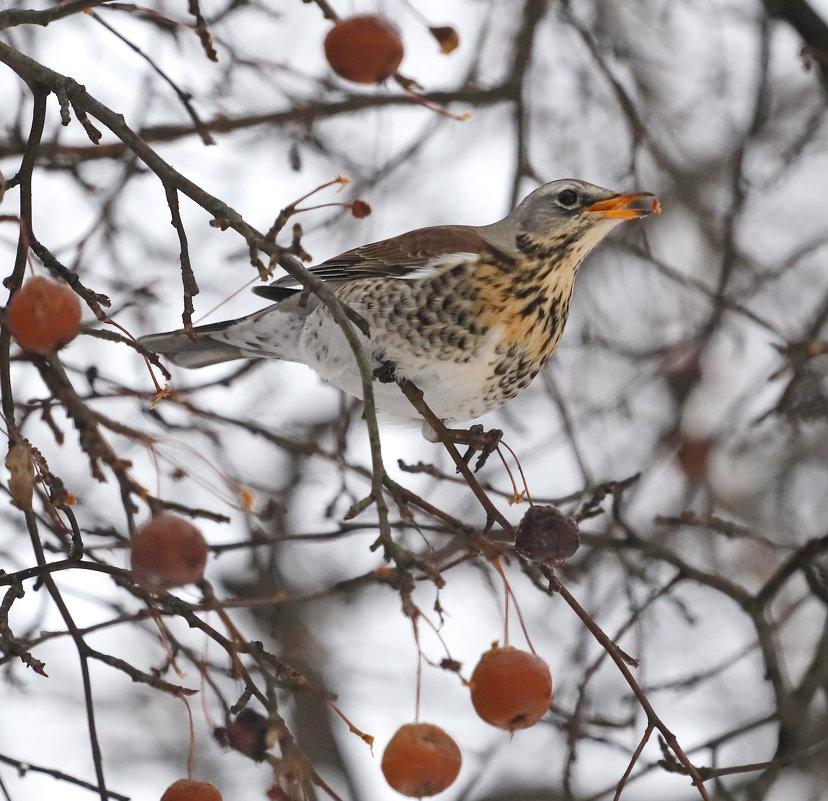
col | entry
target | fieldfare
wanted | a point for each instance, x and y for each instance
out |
(469, 314)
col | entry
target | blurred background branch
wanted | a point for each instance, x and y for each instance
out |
(350, 570)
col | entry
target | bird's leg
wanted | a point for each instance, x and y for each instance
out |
(475, 438)
(386, 373)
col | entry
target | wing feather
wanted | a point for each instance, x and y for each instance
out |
(410, 255)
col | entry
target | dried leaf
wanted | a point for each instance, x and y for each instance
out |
(22, 478)
(447, 37)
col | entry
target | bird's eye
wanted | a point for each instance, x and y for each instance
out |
(568, 198)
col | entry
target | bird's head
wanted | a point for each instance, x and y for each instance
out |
(572, 217)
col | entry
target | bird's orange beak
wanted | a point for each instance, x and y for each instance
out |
(627, 207)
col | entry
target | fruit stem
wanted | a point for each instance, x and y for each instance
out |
(415, 626)
(509, 594)
(517, 496)
(191, 741)
(368, 739)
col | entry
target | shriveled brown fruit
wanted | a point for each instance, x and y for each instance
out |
(189, 790)
(364, 49)
(421, 760)
(511, 689)
(545, 532)
(360, 209)
(167, 552)
(44, 315)
(248, 734)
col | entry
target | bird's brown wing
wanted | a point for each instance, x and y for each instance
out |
(403, 256)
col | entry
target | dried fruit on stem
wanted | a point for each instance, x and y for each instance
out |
(546, 533)
(248, 734)
(190, 790)
(364, 49)
(168, 552)
(511, 689)
(44, 315)
(421, 760)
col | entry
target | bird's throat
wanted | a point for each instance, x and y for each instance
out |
(529, 307)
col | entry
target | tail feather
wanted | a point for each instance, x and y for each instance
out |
(202, 351)
(273, 332)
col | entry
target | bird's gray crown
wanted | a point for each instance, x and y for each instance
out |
(555, 203)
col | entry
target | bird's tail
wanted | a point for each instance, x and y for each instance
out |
(200, 351)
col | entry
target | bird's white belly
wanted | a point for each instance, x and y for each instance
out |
(454, 390)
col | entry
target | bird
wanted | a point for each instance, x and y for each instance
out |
(468, 314)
